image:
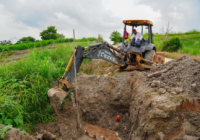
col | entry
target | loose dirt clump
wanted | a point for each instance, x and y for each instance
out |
(16, 134)
(178, 76)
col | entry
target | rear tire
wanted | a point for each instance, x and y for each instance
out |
(151, 56)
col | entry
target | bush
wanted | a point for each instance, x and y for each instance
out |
(25, 40)
(172, 45)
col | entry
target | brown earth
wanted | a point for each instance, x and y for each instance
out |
(168, 98)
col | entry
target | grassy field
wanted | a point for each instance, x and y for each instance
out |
(41, 43)
(190, 41)
(24, 85)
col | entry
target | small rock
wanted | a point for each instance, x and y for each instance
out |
(174, 93)
(16, 134)
(167, 94)
(109, 122)
(125, 128)
(194, 85)
(162, 91)
(126, 114)
(179, 90)
(47, 135)
(155, 83)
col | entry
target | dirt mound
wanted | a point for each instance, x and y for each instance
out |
(164, 95)
(178, 76)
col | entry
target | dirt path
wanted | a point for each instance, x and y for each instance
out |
(167, 59)
(18, 54)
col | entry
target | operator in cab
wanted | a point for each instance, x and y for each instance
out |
(136, 38)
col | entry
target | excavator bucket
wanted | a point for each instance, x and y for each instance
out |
(57, 94)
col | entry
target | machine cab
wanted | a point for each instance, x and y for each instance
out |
(135, 23)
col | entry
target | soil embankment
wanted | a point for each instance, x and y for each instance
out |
(168, 97)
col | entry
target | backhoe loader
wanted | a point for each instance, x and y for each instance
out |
(140, 58)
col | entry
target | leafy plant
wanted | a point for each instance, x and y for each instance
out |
(4, 130)
(11, 111)
(172, 45)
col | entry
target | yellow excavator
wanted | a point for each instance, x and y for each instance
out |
(143, 57)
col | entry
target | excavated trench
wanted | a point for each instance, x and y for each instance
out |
(168, 97)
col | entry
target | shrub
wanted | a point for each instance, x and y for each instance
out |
(172, 45)
(26, 40)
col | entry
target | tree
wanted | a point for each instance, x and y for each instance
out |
(60, 36)
(26, 40)
(50, 33)
(166, 29)
(5, 42)
(116, 37)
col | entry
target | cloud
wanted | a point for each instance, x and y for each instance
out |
(21, 18)
(88, 17)
(178, 13)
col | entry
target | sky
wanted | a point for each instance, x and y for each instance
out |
(22, 18)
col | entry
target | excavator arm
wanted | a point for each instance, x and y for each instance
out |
(96, 51)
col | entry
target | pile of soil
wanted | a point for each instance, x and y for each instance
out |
(154, 93)
(178, 76)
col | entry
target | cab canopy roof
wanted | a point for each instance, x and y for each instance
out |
(137, 22)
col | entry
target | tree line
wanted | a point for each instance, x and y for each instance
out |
(48, 34)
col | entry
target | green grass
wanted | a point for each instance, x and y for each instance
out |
(29, 45)
(24, 85)
(190, 41)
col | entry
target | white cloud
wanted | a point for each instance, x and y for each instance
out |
(21, 18)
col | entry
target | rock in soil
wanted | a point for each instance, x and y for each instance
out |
(16, 134)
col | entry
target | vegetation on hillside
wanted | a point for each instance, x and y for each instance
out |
(189, 41)
(29, 45)
(24, 85)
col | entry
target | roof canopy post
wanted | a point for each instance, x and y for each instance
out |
(124, 34)
(149, 32)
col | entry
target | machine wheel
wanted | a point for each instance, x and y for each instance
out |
(123, 67)
(150, 55)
